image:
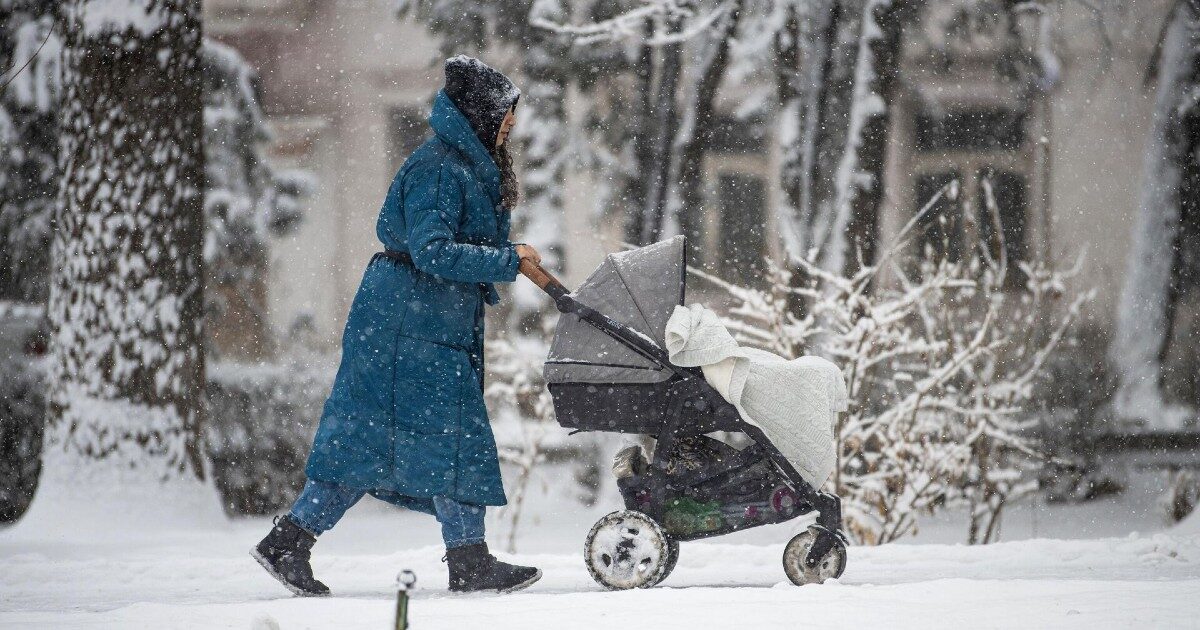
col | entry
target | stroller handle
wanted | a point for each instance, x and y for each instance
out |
(543, 279)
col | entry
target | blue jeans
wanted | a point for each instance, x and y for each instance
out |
(321, 505)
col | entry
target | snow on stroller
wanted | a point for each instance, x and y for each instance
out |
(607, 371)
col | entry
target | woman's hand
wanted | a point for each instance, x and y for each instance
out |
(527, 252)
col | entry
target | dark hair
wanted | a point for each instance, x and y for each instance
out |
(510, 189)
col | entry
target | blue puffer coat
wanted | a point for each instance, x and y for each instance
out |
(406, 418)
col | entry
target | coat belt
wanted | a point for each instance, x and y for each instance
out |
(397, 256)
(404, 257)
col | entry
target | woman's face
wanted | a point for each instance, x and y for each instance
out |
(506, 125)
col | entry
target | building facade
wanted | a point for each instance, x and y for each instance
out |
(346, 86)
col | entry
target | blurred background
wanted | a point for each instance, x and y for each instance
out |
(876, 181)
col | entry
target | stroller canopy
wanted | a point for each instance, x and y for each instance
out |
(639, 288)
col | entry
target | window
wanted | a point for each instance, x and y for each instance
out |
(1008, 193)
(940, 229)
(743, 219)
(737, 136)
(970, 129)
(407, 129)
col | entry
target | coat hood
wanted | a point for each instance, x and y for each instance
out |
(452, 127)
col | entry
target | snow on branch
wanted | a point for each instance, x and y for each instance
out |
(36, 84)
(525, 427)
(99, 17)
(631, 23)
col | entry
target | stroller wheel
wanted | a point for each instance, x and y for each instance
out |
(830, 566)
(672, 560)
(627, 549)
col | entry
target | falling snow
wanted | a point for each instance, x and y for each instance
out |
(982, 213)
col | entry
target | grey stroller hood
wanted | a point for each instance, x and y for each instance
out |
(639, 288)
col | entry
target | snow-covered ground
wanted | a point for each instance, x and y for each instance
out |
(167, 572)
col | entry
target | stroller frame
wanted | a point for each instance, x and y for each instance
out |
(692, 398)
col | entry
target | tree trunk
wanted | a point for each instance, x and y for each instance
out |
(665, 122)
(795, 44)
(126, 290)
(862, 198)
(851, 61)
(641, 140)
(696, 136)
(788, 89)
(821, 103)
(803, 65)
(1153, 281)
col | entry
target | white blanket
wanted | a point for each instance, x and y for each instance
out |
(794, 402)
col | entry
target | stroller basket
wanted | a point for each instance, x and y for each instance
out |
(639, 407)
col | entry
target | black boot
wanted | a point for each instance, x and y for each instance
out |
(284, 553)
(472, 568)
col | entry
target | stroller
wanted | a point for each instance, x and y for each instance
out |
(607, 370)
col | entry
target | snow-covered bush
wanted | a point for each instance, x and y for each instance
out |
(22, 406)
(262, 416)
(530, 443)
(1183, 493)
(22, 424)
(941, 361)
(1074, 400)
(261, 419)
(246, 202)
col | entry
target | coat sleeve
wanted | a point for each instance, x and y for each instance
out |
(433, 209)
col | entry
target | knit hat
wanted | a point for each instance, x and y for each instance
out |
(483, 94)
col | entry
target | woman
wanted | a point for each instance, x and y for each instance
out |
(405, 421)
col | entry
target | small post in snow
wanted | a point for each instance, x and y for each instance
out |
(405, 582)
